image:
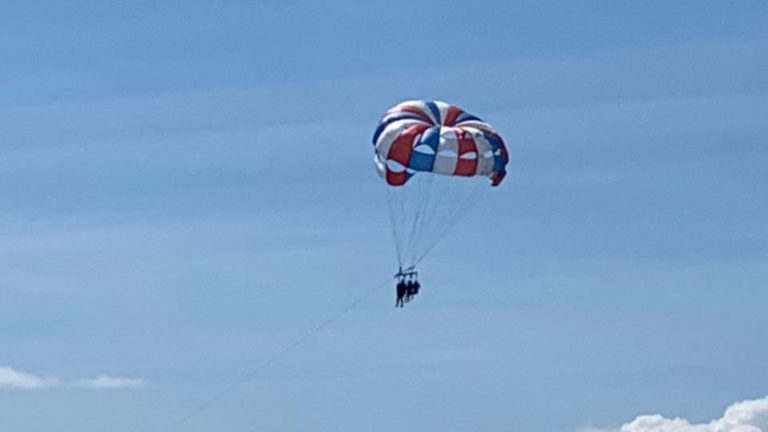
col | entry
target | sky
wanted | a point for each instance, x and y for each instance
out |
(188, 187)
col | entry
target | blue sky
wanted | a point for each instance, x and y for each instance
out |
(188, 187)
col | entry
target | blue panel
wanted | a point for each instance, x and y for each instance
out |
(386, 121)
(498, 160)
(435, 111)
(498, 163)
(421, 161)
(379, 130)
(492, 140)
(465, 117)
(431, 137)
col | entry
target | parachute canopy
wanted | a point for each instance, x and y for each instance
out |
(433, 156)
(435, 137)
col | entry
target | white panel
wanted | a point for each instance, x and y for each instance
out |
(391, 132)
(423, 106)
(395, 166)
(443, 107)
(424, 149)
(448, 142)
(475, 124)
(381, 167)
(484, 149)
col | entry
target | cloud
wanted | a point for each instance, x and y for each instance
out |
(12, 379)
(16, 380)
(107, 382)
(745, 416)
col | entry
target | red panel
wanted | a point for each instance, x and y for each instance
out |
(396, 179)
(400, 151)
(466, 167)
(504, 153)
(497, 177)
(450, 116)
(420, 113)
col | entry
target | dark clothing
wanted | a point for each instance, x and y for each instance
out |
(401, 290)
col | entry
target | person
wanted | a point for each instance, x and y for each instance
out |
(409, 289)
(416, 286)
(401, 288)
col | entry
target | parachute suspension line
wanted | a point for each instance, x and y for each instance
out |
(434, 202)
(277, 356)
(400, 207)
(408, 207)
(425, 209)
(393, 223)
(468, 201)
(419, 218)
(401, 198)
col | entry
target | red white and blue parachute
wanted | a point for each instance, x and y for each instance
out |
(435, 137)
(431, 155)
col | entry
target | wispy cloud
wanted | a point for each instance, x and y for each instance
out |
(108, 382)
(16, 380)
(12, 379)
(745, 416)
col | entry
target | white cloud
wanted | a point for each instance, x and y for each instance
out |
(16, 380)
(108, 382)
(12, 379)
(745, 416)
